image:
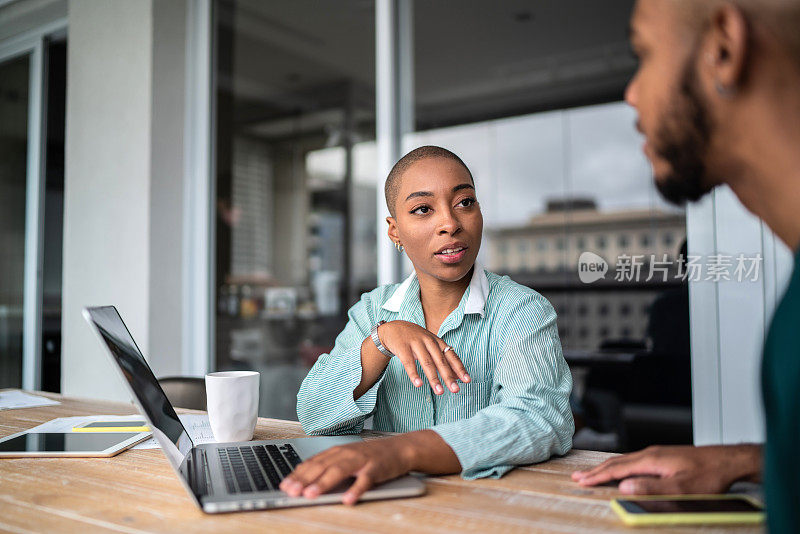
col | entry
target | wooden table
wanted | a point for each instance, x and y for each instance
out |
(137, 491)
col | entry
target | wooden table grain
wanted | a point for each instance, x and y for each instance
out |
(137, 491)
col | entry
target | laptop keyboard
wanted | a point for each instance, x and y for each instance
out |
(257, 468)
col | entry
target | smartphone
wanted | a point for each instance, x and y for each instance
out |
(688, 510)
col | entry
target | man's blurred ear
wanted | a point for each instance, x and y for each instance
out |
(726, 48)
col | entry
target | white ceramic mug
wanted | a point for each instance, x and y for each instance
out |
(232, 401)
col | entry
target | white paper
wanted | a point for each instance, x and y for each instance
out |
(65, 424)
(197, 426)
(10, 400)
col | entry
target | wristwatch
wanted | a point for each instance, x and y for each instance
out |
(377, 340)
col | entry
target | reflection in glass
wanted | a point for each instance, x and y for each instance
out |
(13, 172)
(296, 184)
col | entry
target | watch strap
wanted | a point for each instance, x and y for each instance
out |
(377, 340)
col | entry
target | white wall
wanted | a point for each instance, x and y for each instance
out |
(123, 185)
(729, 320)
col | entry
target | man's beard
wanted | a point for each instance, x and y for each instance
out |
(682, 141)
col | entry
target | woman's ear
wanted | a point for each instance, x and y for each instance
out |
(392, 231)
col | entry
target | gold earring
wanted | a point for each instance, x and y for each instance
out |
(398, 246)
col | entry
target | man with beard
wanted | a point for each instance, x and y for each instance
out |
(717, 93)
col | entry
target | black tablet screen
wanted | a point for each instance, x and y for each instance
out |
(65, 442)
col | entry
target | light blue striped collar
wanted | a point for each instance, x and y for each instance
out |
(476, 301)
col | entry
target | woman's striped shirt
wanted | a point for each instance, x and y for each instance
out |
(514, 411)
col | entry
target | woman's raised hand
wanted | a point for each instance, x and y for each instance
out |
(410, 343)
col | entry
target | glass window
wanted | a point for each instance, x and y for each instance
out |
(56, 94)
(15, 105)
(533, 105)
(296, 184)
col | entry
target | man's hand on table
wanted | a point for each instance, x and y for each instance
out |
(370, 463)
(671, 470)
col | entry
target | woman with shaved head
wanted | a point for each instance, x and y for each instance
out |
(466, 364)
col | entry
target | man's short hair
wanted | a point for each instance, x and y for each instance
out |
(392, 186)
(781, 18)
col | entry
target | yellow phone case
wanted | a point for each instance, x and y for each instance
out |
(695, 518)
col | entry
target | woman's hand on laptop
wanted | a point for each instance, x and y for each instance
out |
(411, 343)
(370, 463)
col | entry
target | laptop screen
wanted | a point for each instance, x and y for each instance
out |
(167, 428)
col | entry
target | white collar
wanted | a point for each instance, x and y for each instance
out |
(478, 291)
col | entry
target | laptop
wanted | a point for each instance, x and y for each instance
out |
(223, 477)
